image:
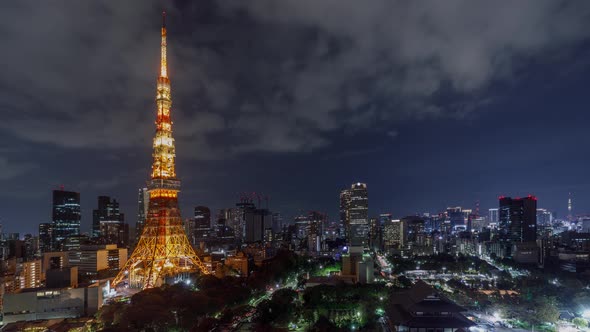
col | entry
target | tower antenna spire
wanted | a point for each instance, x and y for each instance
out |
(163, 62)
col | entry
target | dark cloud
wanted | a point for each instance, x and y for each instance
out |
(266, 75)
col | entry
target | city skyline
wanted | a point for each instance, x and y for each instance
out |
(300, 165)
(447, 144)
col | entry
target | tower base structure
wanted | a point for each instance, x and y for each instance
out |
(163, 249)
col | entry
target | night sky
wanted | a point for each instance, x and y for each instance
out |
(431, 103)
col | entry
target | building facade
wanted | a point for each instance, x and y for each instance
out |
(65, 217)
(108, 223)
(358, 214)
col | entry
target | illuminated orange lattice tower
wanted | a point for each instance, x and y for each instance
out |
(163, 249)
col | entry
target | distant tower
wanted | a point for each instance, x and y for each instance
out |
(163, 249)
(570, 216)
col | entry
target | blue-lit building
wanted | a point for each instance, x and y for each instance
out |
(65, 217)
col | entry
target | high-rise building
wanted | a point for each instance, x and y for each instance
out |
(376, 230)
(163, 250)
(358, 215)
(344, 217)
(66, 217)
(232, 217)
(277, 222)
(413, 231)
(257, 224)
(202, 223)
(45, 237)
(108, 223)
(143, 200)
(31, 246)
(494, 215)
(456, 216)
(544, 218)
(310, 227)
(517, 221)
(244, 207)
(392, 234)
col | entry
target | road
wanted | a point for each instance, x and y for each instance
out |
(239, 321)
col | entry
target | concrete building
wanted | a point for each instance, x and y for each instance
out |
(239, 262)
(44, 304)
(392, 235)
(29, 274)
(94, 258)
(66, 277)
(54, 260)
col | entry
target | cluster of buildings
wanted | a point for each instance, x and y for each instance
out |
(62, 273)
(236, 240)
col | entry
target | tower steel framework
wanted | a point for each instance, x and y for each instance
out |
(163, 249)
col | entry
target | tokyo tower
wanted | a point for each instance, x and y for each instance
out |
(163, 249)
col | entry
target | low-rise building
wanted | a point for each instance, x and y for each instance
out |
(44, 304)
(422, 308)
(93, 258)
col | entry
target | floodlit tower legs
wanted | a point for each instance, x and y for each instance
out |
(163, 249)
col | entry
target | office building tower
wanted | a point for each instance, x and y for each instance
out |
(65, 217)
(45, 237)
(108, 223)
(310, 228)
(245, 206)
(143, 200)
(202, 218)
(302, 226)
(31, 246)
(376, 231)
(358, 215)
(456, 216)
(344, 219)
(412, 232)
(493, 215)
(257, 223)
(232, 218)
(517, 221)
(277, 222)
(544, 218)
(392, 235)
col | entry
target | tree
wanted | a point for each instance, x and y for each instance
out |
(580, 322)
(544, 311)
